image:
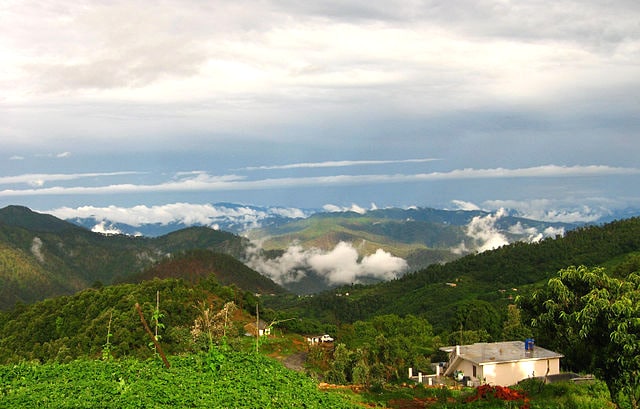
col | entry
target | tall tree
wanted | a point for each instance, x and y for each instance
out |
(594, 320)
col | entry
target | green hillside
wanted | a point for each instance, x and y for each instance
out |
(42, 256)
(196, 265)
(442, 293)
(368, 234)
(422, 236)
(380, 329)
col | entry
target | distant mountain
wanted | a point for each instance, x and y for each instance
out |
(419, 236)
(43, 256)
(470, 290)
(422, 236)
(231, 217)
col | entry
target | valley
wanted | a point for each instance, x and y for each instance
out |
(75, 289)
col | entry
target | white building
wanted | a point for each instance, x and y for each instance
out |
(501, 363)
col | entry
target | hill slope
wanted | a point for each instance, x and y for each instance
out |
(493, 276)
(195, 265)
(422, 236)
(42, 256)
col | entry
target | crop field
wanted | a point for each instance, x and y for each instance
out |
(230, 380)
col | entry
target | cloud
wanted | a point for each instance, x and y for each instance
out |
(186, 213)
(38, 179)
(36, 249)
(484, 233)
(341, 265)
(565, 210)
(60, 155)
(463, 205)
(335, 164)
(205, 182)
(330, 208)
(102, 228)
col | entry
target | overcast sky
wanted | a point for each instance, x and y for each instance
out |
(529, 104)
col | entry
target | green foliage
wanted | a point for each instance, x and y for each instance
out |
(42, 256)
(244, 381)
(594, 320)
(495, 276)
(69, 327)
(513, 327)
(201, 264)
(567, 395)
(381, 350)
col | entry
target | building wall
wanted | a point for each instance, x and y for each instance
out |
(510, 373)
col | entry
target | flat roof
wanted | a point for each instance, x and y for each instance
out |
(496, 352)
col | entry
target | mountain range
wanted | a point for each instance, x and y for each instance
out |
(42, 255)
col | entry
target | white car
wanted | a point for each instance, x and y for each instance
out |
(326, 338)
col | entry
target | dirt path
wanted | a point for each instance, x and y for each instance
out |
(296, 361)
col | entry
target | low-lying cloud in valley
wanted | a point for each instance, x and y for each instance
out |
(341, 265)
(485, 234)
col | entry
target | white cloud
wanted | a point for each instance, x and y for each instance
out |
(331, 208)
(563, 210)
(36, 249)
(484, 233)
(38, 179)
(205, 182)
(341, 265)
(336, 164)
(529, 234)
(102, 228)
(186, 213)
(463, 205)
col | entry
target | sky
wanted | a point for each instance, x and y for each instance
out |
(526, 105)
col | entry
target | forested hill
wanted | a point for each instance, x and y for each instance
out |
(439, 292)
(195, 265)
(42, 256)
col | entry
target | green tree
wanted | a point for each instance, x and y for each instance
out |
(594, 320)
(475, 315)
(513, 328)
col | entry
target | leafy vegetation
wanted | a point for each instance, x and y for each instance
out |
(497, 277)
(596, 320)
(93, 343)
(65, 328)
(240, 380)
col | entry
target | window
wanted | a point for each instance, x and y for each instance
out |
(475, 374)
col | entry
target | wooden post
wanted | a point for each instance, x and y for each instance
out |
(155, 341)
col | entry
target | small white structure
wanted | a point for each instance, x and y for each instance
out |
(322, 338)
(263, 329)
(501, 363)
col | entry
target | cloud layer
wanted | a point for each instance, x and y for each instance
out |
(302, 104)
(204, 182)
(341, 265)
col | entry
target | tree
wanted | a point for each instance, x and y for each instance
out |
(475, 315)
(513, 328)
(594, 320)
